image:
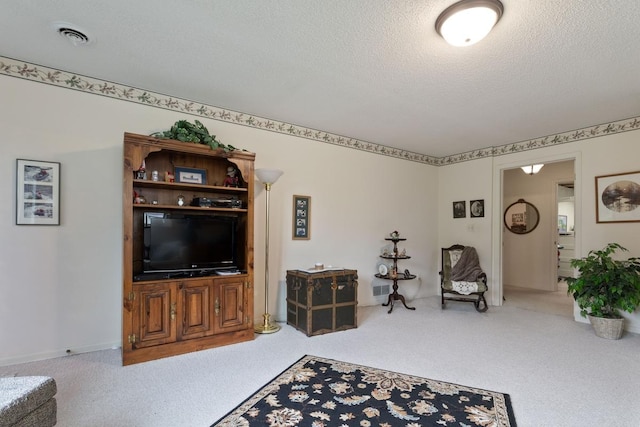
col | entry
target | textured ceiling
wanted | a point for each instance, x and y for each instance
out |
(368, 69)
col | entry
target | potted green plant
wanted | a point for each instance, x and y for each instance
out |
(604, 287)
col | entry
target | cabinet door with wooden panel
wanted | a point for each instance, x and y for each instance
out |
(154, 315)
(195, 308)
(229, 307)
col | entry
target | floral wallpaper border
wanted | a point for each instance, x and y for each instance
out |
(40, 74)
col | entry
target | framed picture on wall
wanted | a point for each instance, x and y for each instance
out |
(476, 208)
(562, 224)
(460, 209)
(301, 217)
(37, 192)
(618, 197)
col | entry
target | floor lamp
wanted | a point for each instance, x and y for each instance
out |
(268, 177)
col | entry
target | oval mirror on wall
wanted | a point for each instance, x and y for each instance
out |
(521, 217)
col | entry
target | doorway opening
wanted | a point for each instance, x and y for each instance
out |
(535, 263)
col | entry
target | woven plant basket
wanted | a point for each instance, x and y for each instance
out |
(607, 328)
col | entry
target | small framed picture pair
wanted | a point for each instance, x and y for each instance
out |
(301, 217)
(460, 209)
(476, 208)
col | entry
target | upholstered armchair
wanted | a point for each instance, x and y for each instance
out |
(462, 278)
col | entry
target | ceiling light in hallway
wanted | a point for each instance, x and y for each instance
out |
(531, 169)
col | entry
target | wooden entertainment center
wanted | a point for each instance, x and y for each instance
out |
(170, 313)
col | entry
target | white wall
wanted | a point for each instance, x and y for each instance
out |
(357, 199)
(467, 181)
(61, 285)
(604, 156)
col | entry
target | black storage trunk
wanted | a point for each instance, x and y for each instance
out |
(322, 302)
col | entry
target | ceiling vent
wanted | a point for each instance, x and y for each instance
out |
(72, 33)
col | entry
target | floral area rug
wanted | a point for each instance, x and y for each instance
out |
(318, 392)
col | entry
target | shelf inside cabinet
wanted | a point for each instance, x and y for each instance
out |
(400, 276)
(187, 208)
(144, 183)
(395, 256)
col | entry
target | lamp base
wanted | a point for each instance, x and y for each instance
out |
(266, 327)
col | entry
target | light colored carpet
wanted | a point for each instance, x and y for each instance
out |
(559, 302)
(557, 372)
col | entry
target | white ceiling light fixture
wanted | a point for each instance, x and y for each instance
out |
(531, 169)
(468, 21)
(76, 36)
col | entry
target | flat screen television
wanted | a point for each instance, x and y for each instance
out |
(184, 243)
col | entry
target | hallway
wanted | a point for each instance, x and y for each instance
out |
(558, 303)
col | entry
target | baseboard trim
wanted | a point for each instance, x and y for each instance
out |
(35, 357)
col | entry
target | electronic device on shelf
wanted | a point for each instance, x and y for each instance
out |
(227, 203)
(186, 274)
(228, 272)
(177, 244)
(203, 202)
(220, 202)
